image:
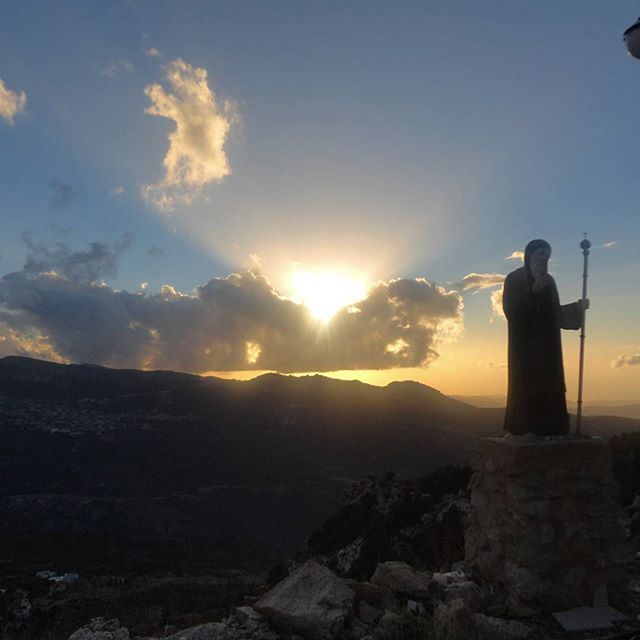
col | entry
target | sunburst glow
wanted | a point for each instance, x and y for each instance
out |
(326, 292)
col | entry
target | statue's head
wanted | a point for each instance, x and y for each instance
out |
(536, 256)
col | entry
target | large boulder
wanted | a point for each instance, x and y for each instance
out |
(455, 584)
(404, 579)
(312, 601)
(101, 629)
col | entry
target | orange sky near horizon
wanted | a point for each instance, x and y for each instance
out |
(471, 369)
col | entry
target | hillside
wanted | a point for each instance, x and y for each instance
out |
(102, 466)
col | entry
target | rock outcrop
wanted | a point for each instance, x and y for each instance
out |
(312, 601)
(419, 521)
(101, 629)
(316, 597)
(401, 577)
(544, 524)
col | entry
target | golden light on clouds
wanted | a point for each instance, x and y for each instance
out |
(324, 292)
(196, 154)
(253, 352)
(11, 103)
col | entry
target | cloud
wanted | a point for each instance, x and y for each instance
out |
(477, 281)
(98, 261)
(26, 343)
(196, 154)
(624, 360)
(11, 103)
(254, 263)
(237, 322)
(496, 305)
(152, 52)
(516, 255)
(117, 191)
(115, 68)
(608, 245)
(62, 194)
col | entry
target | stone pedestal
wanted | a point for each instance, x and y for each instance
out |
(544, 524)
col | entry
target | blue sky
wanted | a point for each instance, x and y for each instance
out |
(402, 140)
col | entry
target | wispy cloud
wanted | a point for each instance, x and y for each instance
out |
(625, 360)
(115, 68)
(62, 194)
(152, 52)
(98, 261)
(608, 245)
(12, 103)
(196, 154)
(477, 281)
(515, 255)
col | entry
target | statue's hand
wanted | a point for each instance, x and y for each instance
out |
(583, 304)
(541, 282)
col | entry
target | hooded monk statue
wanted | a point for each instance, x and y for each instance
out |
(536, 391)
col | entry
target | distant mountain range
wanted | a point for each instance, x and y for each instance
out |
(618, 408)
(162, 469)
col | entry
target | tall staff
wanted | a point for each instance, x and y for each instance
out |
(585, 245)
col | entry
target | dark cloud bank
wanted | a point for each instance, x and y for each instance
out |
(58, 307)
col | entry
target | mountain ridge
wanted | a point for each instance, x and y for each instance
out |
(129, 466)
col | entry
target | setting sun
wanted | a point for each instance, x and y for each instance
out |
(326, 292)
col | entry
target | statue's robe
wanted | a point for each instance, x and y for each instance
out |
(536, 391)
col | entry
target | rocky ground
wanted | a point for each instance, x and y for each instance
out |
(50, 608)
(387, 565)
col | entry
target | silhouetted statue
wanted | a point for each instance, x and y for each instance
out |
(536, 394)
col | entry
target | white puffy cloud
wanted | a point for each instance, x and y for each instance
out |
(625, 360)
(516, 255)
(196, 154)
(11, 103)
(237, 322)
